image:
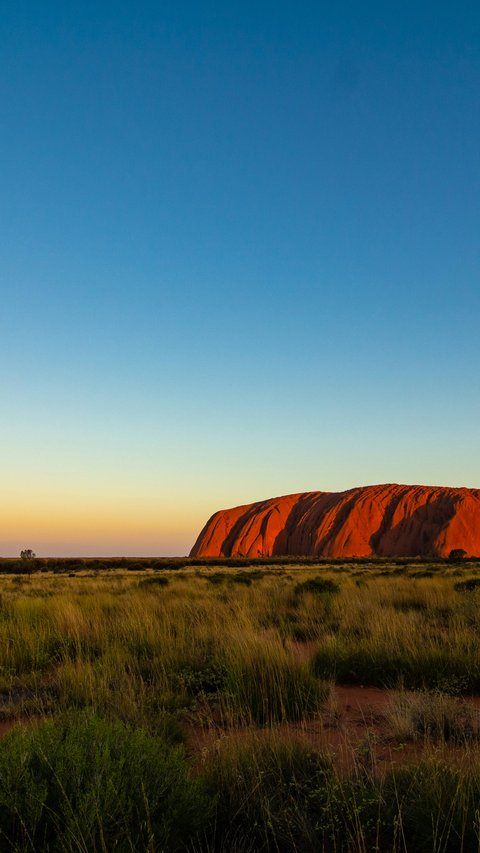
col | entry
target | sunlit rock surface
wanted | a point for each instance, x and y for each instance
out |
(384, 521)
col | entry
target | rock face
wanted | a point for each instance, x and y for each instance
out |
(382, 521)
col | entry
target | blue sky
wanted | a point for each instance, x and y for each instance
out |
(239, 257)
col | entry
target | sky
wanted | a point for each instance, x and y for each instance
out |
(239, 258)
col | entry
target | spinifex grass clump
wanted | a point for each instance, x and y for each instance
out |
(430, 807)
(402, 632)
(265, 685)
(85, 785)
(431, 666)
(279, 795)
(430, 715)
(469, 585)
(271, 794)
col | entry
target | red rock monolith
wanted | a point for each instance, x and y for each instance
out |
(382, 521)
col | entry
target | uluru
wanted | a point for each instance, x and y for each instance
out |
(368, 521)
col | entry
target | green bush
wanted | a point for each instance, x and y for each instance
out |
(422, 574)
(84, 784)
(281, 796)
(360, 662)
(216, 577)
(135, 567)
(271, 796)
(154, 581)
(433, 807)
(319, 586)
(244, 578)
(469, 585)
(201, 678)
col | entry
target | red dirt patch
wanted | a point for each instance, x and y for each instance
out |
(352, 728)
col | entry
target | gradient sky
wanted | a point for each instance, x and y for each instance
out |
(239, 257)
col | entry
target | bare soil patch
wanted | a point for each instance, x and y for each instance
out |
(353, 728)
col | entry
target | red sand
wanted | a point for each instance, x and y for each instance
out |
(352, 729)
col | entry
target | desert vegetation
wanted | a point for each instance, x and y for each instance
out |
(210, 706)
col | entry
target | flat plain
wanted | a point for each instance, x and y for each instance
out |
(207, 706)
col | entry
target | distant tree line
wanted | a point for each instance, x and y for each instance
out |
(27, 562)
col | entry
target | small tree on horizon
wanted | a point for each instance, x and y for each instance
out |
(457, 554)
(27, 556)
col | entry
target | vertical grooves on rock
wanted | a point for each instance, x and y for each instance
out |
(385, 520)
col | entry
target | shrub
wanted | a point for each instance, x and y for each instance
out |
(363, 662)
(404, 605)
(84, 784)
(433, 806)
(319, 586)
(271, 795)
(197, 679)
(457, 554)
(154, 581)
(278, 795)
(470, 585)
(135, 567)
(216, 577)
(247, 577)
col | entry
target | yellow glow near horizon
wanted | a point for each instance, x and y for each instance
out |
(98, 524)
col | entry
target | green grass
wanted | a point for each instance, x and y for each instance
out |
(265, 685)
(277, 795)
(81, 783)
(108, 672)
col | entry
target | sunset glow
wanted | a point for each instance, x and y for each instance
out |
(239, 260)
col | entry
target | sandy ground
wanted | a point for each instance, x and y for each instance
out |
(352, 728)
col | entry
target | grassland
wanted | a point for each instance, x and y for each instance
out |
(196, 706)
